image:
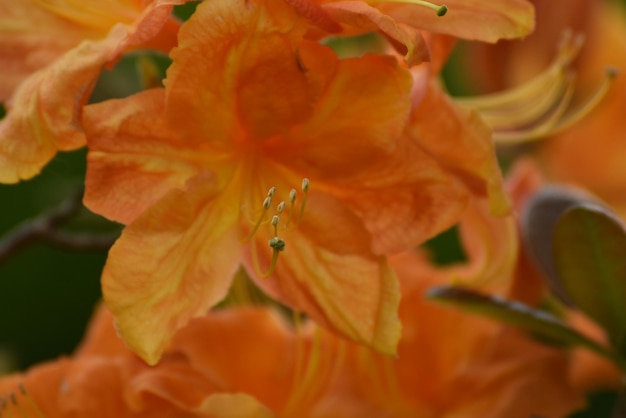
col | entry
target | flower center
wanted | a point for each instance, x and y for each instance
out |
(284, 214)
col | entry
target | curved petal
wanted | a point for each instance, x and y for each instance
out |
(329, 272)
(461, 142)
(174, 262)
(44, 115)
(153, 27)
(134, 158)
(479, 20)
(366, 18)
(404, 199)
(491, 245)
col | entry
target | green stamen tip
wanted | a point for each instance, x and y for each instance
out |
(442, 10)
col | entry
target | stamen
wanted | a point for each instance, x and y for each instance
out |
(275, 220)
(540, 107)
(441, 10)
(306, 184)
(267, 203)
(277, 244)
(293, 194)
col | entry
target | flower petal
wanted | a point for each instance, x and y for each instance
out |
(134, 158)
(480, 20)
(238, 60)
(44, 114)
(101, 339)
(404, 198)
(361, 111)
(172, 263)
(329, 272)
(27, 43)
(235, 405)
(459, 140)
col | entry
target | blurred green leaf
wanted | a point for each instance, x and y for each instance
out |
(539, 217)
(589, 249)
(514, 313)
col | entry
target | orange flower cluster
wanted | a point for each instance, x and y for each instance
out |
(315, 174)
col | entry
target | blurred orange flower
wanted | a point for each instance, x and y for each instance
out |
(260, 365)
(51, 54)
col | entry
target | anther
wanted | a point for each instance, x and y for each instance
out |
(267, 202)
(271, 191)
(293, 194)
(306, 184)
(281, 207)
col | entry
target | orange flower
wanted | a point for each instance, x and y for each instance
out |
(52, 53)
(237, 377)
(250, 108)
(403, 21)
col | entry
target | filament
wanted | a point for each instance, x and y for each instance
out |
(441, 10)
(542, 106)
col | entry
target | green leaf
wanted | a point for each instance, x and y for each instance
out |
(514, 313)
(538, 220)
(589, 249)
